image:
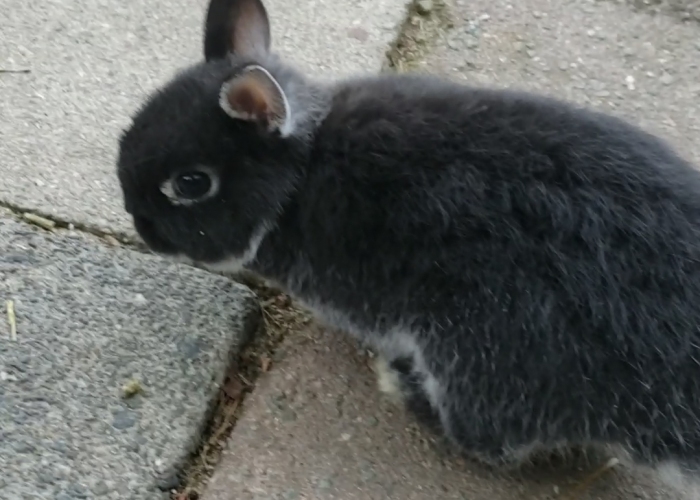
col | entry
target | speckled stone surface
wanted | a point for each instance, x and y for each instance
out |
(89, 319)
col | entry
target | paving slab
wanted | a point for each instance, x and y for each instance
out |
(316, 427)
(606, 54)
(90, 64)
(90, 319)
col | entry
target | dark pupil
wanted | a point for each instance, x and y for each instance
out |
(192, 185)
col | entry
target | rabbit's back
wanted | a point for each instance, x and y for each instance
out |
(543, 258)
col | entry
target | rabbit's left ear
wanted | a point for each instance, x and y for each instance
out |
(254, 95)
(239, 27)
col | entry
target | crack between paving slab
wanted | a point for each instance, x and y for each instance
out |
(280, 318)
(51, 223)
(424, 23)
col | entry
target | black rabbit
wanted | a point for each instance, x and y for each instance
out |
(528, 271)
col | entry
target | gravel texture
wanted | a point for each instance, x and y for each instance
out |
(89, 320)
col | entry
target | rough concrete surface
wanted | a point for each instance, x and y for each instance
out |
(317, 428)
(89, 319)
(600, 53)
(92, 62)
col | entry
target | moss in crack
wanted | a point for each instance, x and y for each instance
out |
(425, 22)
(280, 318)
(51, 223)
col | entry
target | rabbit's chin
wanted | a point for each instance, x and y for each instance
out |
(232, 263)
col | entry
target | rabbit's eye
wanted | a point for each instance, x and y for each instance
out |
(192, 185)
(186, 188)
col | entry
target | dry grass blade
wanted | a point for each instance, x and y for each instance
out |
(588, 481)
(12, 320)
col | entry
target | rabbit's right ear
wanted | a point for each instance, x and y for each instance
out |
(238, 27)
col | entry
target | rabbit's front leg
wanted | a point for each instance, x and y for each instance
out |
(401, 383)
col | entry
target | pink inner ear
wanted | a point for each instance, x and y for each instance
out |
(254, 96)
(248, 100)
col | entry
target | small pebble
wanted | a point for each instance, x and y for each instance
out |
(372, 421)
(666, 79)
(100, 488)
(424, 7)
(123, 420)
(325, 484)
(168, 482)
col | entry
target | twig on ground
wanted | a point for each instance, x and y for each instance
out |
(12, 320)
(17, 70)
(588, 481)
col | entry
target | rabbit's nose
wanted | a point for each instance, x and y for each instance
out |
(148, 230)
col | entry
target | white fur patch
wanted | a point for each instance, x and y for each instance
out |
(398, 342)
(387, 379)
(401, 343)
(672, 474)
(236, 263)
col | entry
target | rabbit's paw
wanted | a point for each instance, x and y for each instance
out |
(388, 379)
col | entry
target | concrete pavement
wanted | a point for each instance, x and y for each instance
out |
(93, 325)
(90, 317)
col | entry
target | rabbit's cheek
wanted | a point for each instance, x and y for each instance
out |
(149, 233)
(236, 262)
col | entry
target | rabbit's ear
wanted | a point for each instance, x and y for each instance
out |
(254, 95)
(240, 27)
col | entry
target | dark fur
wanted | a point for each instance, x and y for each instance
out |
(544, 258)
